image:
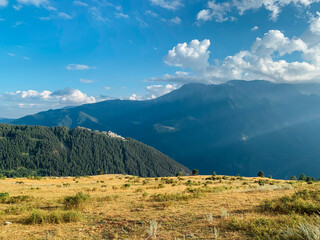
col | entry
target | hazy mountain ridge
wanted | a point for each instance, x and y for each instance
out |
(236, 127)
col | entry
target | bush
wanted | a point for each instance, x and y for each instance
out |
(56, 217)
(304, 231)
(173, 197)
(19, 199)
(195, 172)
(4, 196)
(302, 202)
(126, 186)
(260, 174)
(75, 202)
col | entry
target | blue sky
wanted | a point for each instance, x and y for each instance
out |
(62, 53)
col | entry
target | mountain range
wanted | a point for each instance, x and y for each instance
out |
(238, 127)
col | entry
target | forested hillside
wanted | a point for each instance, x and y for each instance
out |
(59, 151)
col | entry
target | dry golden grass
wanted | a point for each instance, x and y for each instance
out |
(116, 210)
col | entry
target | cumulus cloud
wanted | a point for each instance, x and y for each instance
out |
(30, 94)
(194, 55)
(72, 96)
(78, 67)
(3, 3)
(67, 96)
(265, 60)
(219, 11)
(21, 103)
(167, 4)
(315, 24)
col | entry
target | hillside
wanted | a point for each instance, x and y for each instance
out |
(59, 151)
(129, 207)
(236, 127)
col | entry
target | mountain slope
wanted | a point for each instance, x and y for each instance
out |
(236, 127)
(60, 151)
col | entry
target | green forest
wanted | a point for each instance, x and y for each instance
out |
(60, 151)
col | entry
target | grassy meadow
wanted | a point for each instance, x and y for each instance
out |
(128, 207)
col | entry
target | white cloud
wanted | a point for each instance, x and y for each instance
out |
(255, 28)
(167, 4)
(194, 55)
(151, 13)
(315, 24)
(135, 97)
(26, 58)
(78, 67)
(86, 81)
(220, 11)
(37, 101)
(175, 20)
(265, 60)
(121, 15)
(64, 16)
(107, 88)
(11, 54)
(36, 3)
(67, 95)
(72, 96)
(3, 3)
(97, 15)
(80, 3)
(159, 90)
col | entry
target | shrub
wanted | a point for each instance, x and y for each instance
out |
(126, 186)
(195, 172)
(293, 178)
(55, 217)
(77, 201)
(304, 231)
(173, 197)
(302, 177)
(260, 174)
(4, 196)
(302, 202)
(261, 182)
(19, 199)
(261, 228)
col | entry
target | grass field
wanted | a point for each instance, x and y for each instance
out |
(127, 207)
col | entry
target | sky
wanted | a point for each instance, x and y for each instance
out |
(55, 54)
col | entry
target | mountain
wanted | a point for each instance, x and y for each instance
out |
(5, 120)
(59, 151)
(236, 127)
